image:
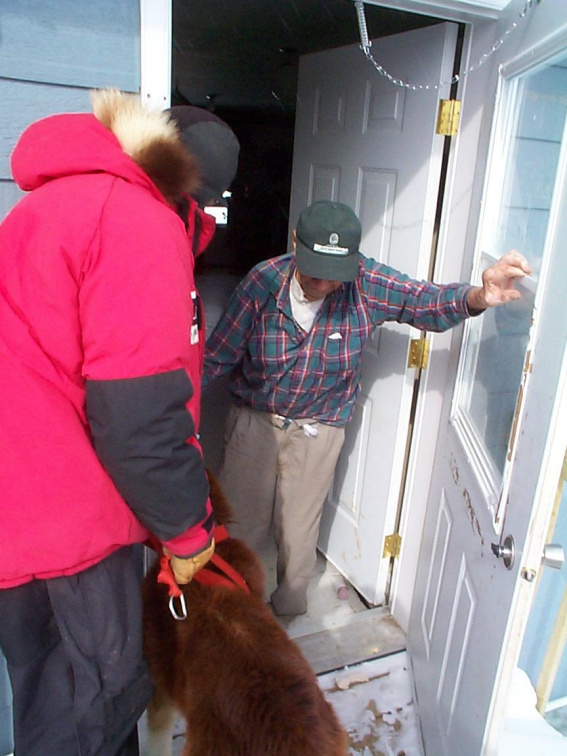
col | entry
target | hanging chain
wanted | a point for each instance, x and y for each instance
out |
(366, 44)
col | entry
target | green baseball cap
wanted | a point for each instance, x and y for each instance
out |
(327, 240)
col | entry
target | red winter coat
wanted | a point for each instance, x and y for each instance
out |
(100, 351)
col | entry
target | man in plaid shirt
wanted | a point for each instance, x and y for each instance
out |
(292, 338)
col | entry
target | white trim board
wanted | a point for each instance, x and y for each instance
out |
(450, 10)
(155, 53)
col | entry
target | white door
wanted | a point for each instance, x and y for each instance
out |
(483, 536)
(363, 141)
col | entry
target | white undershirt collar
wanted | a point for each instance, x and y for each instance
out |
(303, 309)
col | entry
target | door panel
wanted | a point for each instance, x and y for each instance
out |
(488, 467)
(365, 142)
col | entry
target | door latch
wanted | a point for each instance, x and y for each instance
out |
(553, 556)
(505, 551)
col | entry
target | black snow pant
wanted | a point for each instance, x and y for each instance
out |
(73, 646)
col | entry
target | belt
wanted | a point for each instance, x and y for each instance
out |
(283, 423)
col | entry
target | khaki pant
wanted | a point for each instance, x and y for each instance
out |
(273, 472)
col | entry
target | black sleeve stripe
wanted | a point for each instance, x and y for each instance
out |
(140, 427)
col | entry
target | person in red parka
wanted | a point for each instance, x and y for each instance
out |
(101, 346)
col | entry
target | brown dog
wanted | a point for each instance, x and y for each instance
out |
(230, 669)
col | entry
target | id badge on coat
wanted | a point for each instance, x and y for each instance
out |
(195, 325)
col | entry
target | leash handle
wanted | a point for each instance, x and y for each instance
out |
(230, 572)
(206, 577)
(166, 576)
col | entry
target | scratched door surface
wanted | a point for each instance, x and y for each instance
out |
(491, 467)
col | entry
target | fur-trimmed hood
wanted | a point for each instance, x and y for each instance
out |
(121, 138)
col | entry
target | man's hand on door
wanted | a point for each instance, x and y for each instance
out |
(498, 282)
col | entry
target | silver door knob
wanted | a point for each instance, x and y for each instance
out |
(553, 556)
(505, 551)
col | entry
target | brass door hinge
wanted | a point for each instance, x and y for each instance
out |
(392, 546)
(418, 356)
(448, 117)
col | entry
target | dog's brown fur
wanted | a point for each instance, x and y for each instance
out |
(243, 687)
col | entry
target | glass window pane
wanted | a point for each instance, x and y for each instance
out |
(495, 361)
(519, 198)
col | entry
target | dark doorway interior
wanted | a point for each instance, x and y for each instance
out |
(240, 58)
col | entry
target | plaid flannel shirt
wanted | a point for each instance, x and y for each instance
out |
(277, 367)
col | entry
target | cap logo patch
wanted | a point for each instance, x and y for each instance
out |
(328, 249)
(334, 239)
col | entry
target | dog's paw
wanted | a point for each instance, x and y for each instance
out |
(156, 731)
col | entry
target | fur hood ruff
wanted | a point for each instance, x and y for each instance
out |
(151, 139)
(75, 143)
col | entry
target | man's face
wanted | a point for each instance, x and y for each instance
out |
(316, 288)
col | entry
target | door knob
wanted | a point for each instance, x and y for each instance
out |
(505, 551)
(553, 556)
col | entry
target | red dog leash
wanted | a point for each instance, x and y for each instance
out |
(227, 575)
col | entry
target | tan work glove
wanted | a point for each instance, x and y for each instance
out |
(185, 568)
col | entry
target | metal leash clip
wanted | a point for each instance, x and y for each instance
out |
(166, 576)
(183, 605)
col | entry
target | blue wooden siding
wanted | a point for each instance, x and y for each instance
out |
(29, 102)
(72, 42)
(52, 52)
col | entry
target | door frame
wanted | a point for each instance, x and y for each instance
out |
(450, 10)
(156, 30)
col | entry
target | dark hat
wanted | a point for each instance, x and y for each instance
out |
(328, 236)
(213, 144)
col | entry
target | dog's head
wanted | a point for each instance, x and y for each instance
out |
(221, 508)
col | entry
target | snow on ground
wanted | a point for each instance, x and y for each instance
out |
(375, 702)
